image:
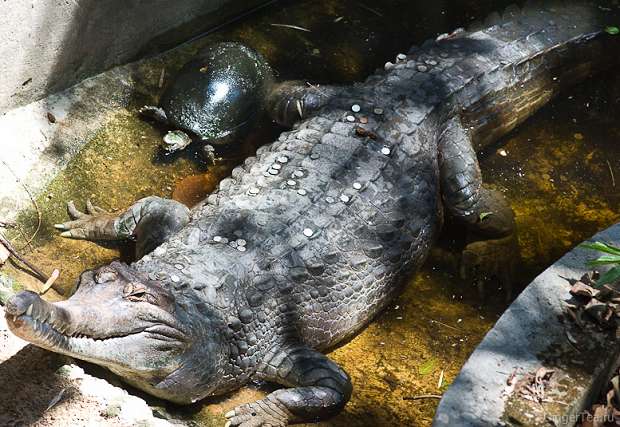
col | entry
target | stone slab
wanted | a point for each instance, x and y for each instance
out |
(531, 334)
(49, 45)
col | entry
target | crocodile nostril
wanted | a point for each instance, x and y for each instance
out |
(21, 303)
(105, 274)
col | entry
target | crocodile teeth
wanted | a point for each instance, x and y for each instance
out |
(300, 109)
(29, 310)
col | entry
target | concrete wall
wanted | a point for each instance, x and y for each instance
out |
(48, 45)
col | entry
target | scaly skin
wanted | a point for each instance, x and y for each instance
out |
(332, 219)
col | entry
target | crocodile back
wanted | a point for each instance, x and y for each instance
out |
(329, 219)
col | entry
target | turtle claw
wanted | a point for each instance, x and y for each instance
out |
(153, 112)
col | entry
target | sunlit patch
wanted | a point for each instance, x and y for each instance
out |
(221, 90)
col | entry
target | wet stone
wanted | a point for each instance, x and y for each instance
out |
(308, 232)
(241, 242)
(422, 68)
(378, 111)
(330, 200)
(291, 183)
(254, 191)
(401, 57)
(282, 159)
(241, 248)
(350, 119)
(276, 166)
(357, 186)
(386, 151)
(175, 278)
(298, 174)
(345, 199)
(302, 192)
(273, 171)
(356, 108)
(314, 156)
(179, 266)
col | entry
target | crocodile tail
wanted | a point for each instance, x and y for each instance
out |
(535, 10)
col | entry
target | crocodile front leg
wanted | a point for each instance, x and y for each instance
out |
(319, 389)
(292, 101)
(149, 221)
(492, 250)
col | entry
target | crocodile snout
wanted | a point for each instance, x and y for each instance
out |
(22, 303)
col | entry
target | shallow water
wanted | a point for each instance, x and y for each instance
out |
(558, 172)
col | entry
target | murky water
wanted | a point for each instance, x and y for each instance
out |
(560, 170)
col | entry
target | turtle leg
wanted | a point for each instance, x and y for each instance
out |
(155, 113)
(292, 101)
(149, 221)
(318, 389)
(492, 249)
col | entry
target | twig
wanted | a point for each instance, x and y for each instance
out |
(56, 399)
(50, 282)
(317, 88)
(369, 9)
(611, 172)
(162, 76)
(42, 276)
(447, 326)
(34, 202)
(292, 27)
(423, 396)
(440, 382)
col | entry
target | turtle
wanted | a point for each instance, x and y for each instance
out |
(220, 94)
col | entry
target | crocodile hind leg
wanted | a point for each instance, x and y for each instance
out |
(492, 249)
(319, 389)
(149, 221)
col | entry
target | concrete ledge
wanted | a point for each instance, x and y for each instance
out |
(532, 334)
(48, 45)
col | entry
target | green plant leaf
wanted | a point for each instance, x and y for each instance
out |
(427, 367)
(601, 247)
(605, 260)
(609, 277)
(483, 215)
(612, 30)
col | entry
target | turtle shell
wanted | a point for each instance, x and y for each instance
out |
(219, 94)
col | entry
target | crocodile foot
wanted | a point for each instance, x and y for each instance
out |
(93, 224)
(268, 412)
(485, 260)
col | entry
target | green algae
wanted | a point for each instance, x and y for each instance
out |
(559, 185)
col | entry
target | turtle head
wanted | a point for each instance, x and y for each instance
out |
(220, 94)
